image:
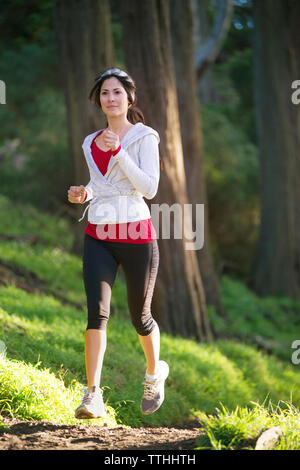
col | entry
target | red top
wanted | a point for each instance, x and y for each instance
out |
(141, 231)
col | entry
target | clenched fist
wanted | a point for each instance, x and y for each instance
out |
(76, 194)
(111, 140)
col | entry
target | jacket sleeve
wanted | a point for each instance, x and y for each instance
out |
(89, 191)
(145, 177)
(89, 187)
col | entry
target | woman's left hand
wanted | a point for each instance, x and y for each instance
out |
(111, 139)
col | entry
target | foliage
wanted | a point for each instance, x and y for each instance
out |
(44, 333)
(44, 336)
(231, 169)
(25, 220)
(230, 385)
(33, 135)
(32, 393)
(234, 81)
(270, 322)
(240, 428)
(25, 22)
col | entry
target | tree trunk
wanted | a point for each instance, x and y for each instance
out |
(207, 88)
(183, 53)
(179, 300)
(85, 47)
(211, 45)
(276, 65)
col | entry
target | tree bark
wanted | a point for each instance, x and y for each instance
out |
(209, 49)
(85, 47)
(276, 66)
(179, 299)
(190, 125)
(207, 88)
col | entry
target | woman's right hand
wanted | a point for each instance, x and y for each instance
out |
(76, 194)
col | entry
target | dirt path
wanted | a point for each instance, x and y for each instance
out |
(44, 435)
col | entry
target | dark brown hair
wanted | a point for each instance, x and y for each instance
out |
(134, 114)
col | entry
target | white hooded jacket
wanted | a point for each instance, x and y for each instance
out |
(132, 174)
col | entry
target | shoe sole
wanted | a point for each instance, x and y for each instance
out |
(85, 414)
(152, 411)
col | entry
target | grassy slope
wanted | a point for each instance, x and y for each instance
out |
(43, 373)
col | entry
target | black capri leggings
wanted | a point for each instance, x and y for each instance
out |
(101, 259)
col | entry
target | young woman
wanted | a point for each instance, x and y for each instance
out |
(124, 165)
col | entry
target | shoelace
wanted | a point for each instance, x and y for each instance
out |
(150, 389)
(88, 396)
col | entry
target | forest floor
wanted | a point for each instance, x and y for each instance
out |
(44, 435)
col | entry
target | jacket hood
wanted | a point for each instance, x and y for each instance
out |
(136, 132)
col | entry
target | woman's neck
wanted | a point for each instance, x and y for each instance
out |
(118, 125)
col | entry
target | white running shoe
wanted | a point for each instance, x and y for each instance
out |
(154, 391)
(92, 405)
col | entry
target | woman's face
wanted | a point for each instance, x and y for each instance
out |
(113, 97)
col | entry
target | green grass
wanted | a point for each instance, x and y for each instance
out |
(271, 322)
(230, 385)
(31, 393)
(240, 428)
(24, 219)
(41, 332)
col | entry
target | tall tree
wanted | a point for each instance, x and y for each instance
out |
(208, 45)
(179, 298)
(276, 66)
(190, 125)
(208, 40)
(85, 45)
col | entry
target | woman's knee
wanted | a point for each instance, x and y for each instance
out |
(95, 324)
(97, 318)
(144, 325)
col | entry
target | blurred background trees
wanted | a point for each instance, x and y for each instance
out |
(233, 139)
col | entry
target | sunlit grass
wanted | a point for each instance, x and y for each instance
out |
(23, 219)
(30, 393)
(61, 270)
(42, 333)
(271, 322)
(229, 384)
(240, 428)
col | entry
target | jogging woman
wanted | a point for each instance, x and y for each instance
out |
(124, 165)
